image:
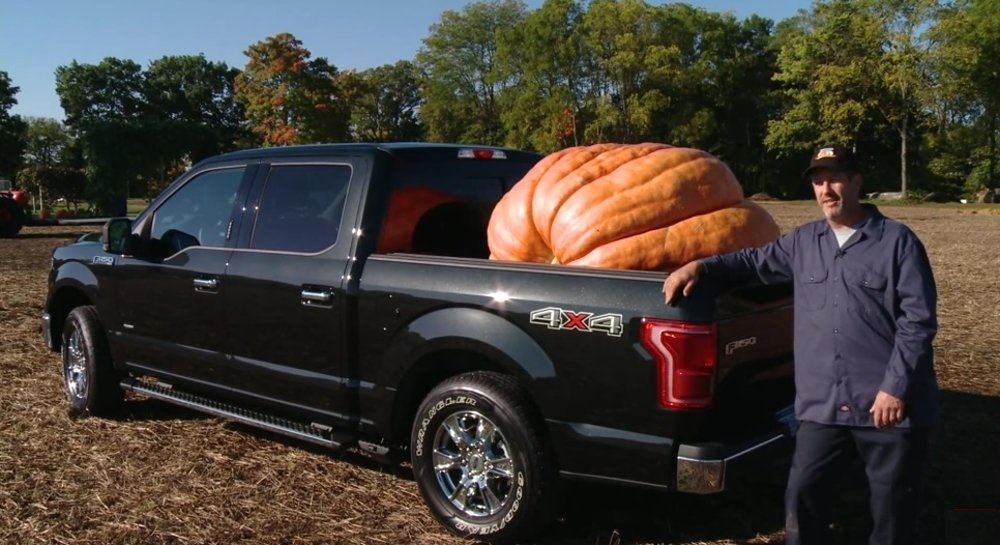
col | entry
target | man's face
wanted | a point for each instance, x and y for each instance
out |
(834, 191)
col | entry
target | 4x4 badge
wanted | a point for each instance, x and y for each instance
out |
(570, 320)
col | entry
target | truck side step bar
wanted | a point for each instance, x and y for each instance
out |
(313, 433)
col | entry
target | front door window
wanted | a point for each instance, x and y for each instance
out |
(198, 214)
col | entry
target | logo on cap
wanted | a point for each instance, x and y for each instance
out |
(826, 153)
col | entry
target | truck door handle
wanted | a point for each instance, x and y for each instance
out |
(311, 296)
(206, 283)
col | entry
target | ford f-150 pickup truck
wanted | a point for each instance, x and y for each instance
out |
(342, 295)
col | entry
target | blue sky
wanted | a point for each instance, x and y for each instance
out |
(36, 36)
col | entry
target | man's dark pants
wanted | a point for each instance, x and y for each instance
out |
(893, 459)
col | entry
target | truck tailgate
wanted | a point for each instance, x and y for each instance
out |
(755, 366)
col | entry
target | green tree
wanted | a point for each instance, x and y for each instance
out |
(105, 106)
(724, 96)
(854, 71)
(48, 142)
(824, 70)
(289, 97)
(385, 103)
(967, 82)
(194, 99)
(464, 83)
(12, 128)
(192, 113)
(544, 55)
(54, 181)
(111, 90)
(47, 158)
(631, 66)
(687, 117)
(628, 71)
(903, 68)
(135, 128)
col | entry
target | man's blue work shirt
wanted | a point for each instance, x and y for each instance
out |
(865, 316)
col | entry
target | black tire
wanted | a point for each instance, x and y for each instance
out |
(502, 482)
(91, 382)
(11, 217)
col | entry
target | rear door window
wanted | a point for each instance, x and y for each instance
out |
(442, 206)
(301, 208)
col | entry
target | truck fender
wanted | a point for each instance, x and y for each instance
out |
(477, 331)
(74, 275)
(505, 346)
(74, 285)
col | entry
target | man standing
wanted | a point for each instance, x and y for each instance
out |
(865, 317)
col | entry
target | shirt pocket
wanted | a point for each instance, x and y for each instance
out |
(867, 290)
(814, 288)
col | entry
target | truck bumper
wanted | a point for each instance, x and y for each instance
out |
(47, 330)
(703, 469)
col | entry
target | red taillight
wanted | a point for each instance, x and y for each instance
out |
(685, 362)
(20, 197)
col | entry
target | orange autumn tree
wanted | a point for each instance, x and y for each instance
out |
(643, 206)
(290, 98)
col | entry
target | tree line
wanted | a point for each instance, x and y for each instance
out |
(911, 85)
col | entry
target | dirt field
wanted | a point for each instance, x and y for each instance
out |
(159, 475)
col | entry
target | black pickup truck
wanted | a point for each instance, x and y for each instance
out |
(341, 294)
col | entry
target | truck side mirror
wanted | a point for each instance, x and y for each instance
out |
(117, 236)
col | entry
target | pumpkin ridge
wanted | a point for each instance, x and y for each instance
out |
(594, 170)
(624, 179)
(685, 184)
(723, 180)
(517, 239)
(589, 166)
(645, 206)
(745, 224)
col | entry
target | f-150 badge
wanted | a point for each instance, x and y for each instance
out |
(587, 322)
(103, 260)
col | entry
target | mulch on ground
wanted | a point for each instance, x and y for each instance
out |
(161, 475)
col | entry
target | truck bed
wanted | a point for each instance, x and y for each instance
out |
(595, 386)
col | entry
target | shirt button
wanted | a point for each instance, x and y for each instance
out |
(844, 408)
(835, 331)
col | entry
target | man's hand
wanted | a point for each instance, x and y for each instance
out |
(681, 281)
(888, 410)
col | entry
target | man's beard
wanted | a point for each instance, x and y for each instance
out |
(834, 212)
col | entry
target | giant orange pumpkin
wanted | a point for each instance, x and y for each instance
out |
(643, 206)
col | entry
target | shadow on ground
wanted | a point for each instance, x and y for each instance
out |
(749, 513)
(963, 474)
(961, 502)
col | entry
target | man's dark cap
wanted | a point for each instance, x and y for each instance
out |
(835, 157)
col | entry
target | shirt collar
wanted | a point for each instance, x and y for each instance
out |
(872, 227)
(875, 224)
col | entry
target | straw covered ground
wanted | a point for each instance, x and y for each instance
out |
(161, 475)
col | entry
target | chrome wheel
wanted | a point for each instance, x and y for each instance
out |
(479, 460)
(76, 367)
(92, 383)
(472, 463)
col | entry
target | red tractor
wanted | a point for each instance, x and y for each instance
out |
(12, 204)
